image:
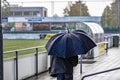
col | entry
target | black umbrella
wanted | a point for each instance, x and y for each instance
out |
(69, 43)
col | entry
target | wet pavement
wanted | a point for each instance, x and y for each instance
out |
(104, 62)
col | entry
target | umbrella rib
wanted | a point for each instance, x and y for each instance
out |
(52, 43)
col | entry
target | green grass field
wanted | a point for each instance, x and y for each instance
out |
(9, 45)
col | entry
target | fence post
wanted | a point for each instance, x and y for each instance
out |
(36, 61)
(16, 65)
(1, 45)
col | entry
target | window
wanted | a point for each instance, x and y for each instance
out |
(27, 13)
(11, 13)
(18, 13)
(35, 13)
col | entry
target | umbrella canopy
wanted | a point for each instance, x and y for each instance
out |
(69, 43)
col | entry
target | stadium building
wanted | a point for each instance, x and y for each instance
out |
(16, 11)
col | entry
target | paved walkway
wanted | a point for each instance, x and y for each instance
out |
(104, 62)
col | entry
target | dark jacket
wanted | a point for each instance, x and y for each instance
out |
(61, 65)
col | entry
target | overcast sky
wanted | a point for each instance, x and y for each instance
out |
(95, 7)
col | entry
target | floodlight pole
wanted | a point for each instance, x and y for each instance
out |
(1, 46)
(52, 8)
(80, 7)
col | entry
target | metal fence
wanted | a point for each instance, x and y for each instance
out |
(17, 60)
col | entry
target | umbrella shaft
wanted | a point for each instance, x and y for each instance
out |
(81, 64)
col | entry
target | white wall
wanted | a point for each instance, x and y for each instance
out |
(26, 66)
(21, 36)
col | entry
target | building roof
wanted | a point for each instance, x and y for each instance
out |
(96, 19)
(26, 8)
